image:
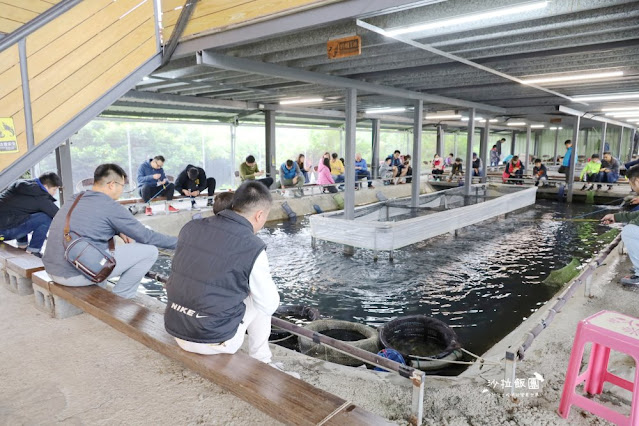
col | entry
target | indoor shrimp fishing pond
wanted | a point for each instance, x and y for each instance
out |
(482, 283)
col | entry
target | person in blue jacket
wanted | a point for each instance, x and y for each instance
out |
(152, 182)
(565, 165)
(361, 171)
(291, 175)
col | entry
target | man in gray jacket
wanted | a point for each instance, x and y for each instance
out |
(99, 217)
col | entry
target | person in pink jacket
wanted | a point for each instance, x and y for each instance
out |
(324, 175)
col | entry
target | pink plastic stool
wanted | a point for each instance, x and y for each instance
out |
(606, 330)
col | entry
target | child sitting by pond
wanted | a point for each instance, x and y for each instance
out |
(457, 169)
(540, 174)
(591, 172)
(386, 170)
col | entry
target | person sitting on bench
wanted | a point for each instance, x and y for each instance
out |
(324, 176)
(249, 169)
(98, 217)
(192, 181)
(609, 172)
(514, 171)
(26, 207)
(291, 175)
(590, 172)
(152, 182)
(361, 171)
(223, 201)
(220, 285)
(540, 173)
(630, 232)
(386, 170)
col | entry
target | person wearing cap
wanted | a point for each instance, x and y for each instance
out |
(477, 165)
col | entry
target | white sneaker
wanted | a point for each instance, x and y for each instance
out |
(280, 366)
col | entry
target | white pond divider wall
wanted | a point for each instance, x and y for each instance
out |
(367, 232)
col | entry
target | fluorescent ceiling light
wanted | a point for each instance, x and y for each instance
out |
(610, 97)
(301, 101)
(624, 114)
(443, 116)
(476, 119)
(584, 76)
(626, 108)
(493, 120)
(476, 17)
(537, 126)
(384, 110)
(556, 128)
(516, 123)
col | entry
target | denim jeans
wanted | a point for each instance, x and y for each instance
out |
(361, 174)
(38, 223)
(608, 177)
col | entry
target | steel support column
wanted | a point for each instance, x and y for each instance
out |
(468, 169)
(554, 158)
(130, 155)
(586, 140)
(620, 142)
(526, 161)
(269, 127)
(234, 163)
(604, 129)
(441, 134)
(418, 118)
(537, 145)
(375, 133)
(513, 141)
(63, 164)
(484, 151)
(575, 145)
(633, 143)
(349, 156)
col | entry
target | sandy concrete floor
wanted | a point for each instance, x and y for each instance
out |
(80, 371)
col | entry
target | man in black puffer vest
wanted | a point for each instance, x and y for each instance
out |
(220, 285)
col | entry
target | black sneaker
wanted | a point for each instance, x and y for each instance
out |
(209, 203)
(36, 253)
(630, 280)
(609, 187)
(583, 188)
(598, 187)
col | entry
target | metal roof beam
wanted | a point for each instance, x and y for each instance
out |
(239, 64)
(593, 117)
(315, 17)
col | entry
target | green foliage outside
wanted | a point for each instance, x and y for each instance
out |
(209, 145)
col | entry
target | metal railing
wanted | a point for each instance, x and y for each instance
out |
(585, 277)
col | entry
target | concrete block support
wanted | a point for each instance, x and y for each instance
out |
(18, 284)
(49, 303)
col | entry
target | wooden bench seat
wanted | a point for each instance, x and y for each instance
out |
(19, 270)
(274, 392)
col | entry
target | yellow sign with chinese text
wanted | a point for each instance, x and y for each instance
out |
(8, 138)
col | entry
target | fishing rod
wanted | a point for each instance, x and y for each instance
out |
(601, 210)
(159, 192)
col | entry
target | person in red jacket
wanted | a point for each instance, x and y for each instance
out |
(514, 171)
